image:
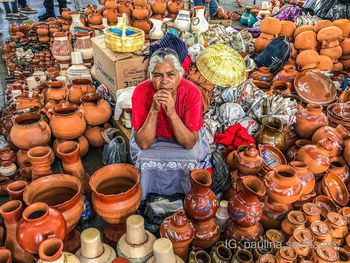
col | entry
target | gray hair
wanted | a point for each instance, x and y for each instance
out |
(159, 59)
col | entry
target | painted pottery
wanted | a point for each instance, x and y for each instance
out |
(247, 159)
(51, 250)
(95, 18)
(207, 233)
(235, 232)
(183, 20)
(334, 188)
(243, 256)
(272, 133)
(288, 74)
(96, 110)
(79, 88)
(198, 255)
(84, 45)
(220, 253)
(62, 48)
(273, 213)
(338, 225)
(39, 157)
(263, 74)
(325, 254)
(199, 22)
(286, 254)
(307, 179)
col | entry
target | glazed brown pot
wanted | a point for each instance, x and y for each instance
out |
(338, 167)
(16, 189)
(247, 160)
(245, 208)
(96, 110)
(11, 211)
(116, 194)
(287, 29)
(66, 121)
(272, 133)
(235, 232)
(39, 221)
(7, 155)
(40, 159)
(346, 153)
(307, 179)
(306, 40)
(288, 74)
(201, 195)
(286, 255)
(180, 231)
(310, 120)
(274, 213)
(29, 130)
(312, 212)
(207, 233)
(283, 184)
(5, 255)
(83, 145)
(263, 74)
(325, 254)
(57, 90)
(270, 25)
(338, 225)
(64, 195)
(293, 220)
(94, 136)
(334, 188)
(79, 88)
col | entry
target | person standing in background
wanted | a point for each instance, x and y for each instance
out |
(25, 8)
(50, 8)
(11, 9)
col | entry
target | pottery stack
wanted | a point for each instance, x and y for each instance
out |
(174, 6)
(270, 27)
(140, 15)
(159, 8)
(344, 25)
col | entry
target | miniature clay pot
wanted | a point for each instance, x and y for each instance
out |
(66, 13)
(288, 74)
(312, 212)
(286, 254)
(338, 225)
(110, 4)
(263, 74)
(96, 110)
(270, 25)
(306, 40)
(325, 254)
(293, 220)
(247, 159)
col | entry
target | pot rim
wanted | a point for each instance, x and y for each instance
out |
(39, 118)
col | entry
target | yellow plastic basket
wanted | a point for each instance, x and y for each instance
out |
(117, 40)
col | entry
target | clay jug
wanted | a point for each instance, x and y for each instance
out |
(79, 88)
(180, 231)
(207, 233)
(309, 120)
(142, 24)
(316, 156)
(111, 15)
(272, 133)
(96, 110)
(201, 203)
(307, 179)
(247, 160)
(40, 159)
(51, 250)
(283, 185)
(39, 221)
(11, 211)
(159, 7)
(263, 74)
(245, 208)
(66, 121)
(174, 6)
(69, 152)
(29, 130)
(57, 90)
(338, 135)
(288, 74)
(95, 18)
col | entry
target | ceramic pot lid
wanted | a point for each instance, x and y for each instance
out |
(303, 235)
(267, 258)
(288, 253)
(337, 219)
(327, 252)
(314, 87)
(320, 228)
(311, 209)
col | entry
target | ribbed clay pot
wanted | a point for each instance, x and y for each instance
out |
(96, 110)
(83, 145)
(40, 160)
(79, 88)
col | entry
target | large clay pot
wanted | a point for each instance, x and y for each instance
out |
(307, 179)
(310, 120)
(40, 159)
(328, 35)
(39, 221)
(111, 15)
(125, 7)
(83, 145)
(66, 121)
(287, 29)
(79, 88)
(201, 203)
(306, 40)
(57, 90)
(316, 156)
(283, 185)
(94, 136)
(245, 208)
(344, 25)
(116, 194)
(338, 135)
(51, 250)
(142, 24)
(247, 160)
(270, 25)
(140, 13)
(29, 130)
(11, 211)
(288, 74)
(307, 59)
(180, 231)
(272, 133)
(96, 110)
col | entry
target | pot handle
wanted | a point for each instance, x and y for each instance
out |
(49, 113)
(81, 113)
(42, 126)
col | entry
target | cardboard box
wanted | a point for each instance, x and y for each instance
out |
(117, 70)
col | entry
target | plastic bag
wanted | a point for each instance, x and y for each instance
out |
(115, 151)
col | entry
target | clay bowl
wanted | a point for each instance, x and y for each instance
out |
(313, 87)
(342, 111)
(335, 188)
(271, 156)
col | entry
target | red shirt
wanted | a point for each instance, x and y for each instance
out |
(188, 106)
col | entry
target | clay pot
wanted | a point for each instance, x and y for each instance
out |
(142, 24)
(306, 40)
(125, 7)
(260, 44)
(40, 159)
(307, 59)
(321, 231)
(272, 133)
(322, 24)
(325, 63)
(303, 28)
(307, 179)
(345, 45)
(110, 4)
(247, 160)
(344, 26)
(270, 25)
(7, 155)
(37, 223)
(345, 63)
(338, 167)
(29, 130)
(141, 3)
(286, 255)
(294, 220)
(95, 18)
(140, 13)
(335, 189)
(57, 90)
(96, 110)
(334, 52)
(312, 212)
(288, 74)
(66, 121)
(180, 231)
(245, 208)
(116, 194)
(83, 145)
(329, 34)
(310, 120)
(66, 13)
(51, 250)
(94, 136)
(79, 88)
(338, 225)
(263, 74)
(273, 213)
(347, 151)
(16, 189)
(325, 254)
(207, 233)
(201, 195)
(174, 6)
(237, 233)
(282, 88)
(111, 15)
(28, 100)
(159, 7)
(11, 211)
(316, 156)
(5, 255)
(287, 29)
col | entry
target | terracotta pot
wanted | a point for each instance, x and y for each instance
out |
(307, 179)
(40, 159)
(287, 29)
(180, 231)
(302, 239)
(283, 184)
(245, 208)
(5, 255)
(263, 74)
(344, 25)
(116, 194)
(142, 3)
(306, 40)
(11, 211)
(83, 145)
(267, 258)
(94, 136)
(270, 25)
(96, 110)
(316, 156)
(286, 255)
(260, 44)
(69, 201)
(28, 100)
(111, 15)
(140, 13)
(51, 250)
(243, 256)
(66, 121)
(310, 120)
(237, 233)
(201, 203)
(69, 152)
(321, 231)
(39, 221)
(66, 13)
(143, 25)
(338, 167)
(338, 225)
(274, 213)
(79, 88)
(325, 254)
(272, 133)
(207, 233)
(307, 59)
(329, 34)
(282, 88)
(288, 74)
(159, 6)
(334, 52)
(16, 189)
(110, 4)
(174, 6)
(303, 28)
(335, 189)
(247, 160)
(322, 24)
(126, 8)
(220, 253)
(312, 212)
(325, 63)
(346, 154)
(293, 220)
(57, 90)
(95, 18)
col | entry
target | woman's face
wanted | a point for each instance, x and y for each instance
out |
(166, 77)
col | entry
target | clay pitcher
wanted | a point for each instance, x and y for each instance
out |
(272, 133)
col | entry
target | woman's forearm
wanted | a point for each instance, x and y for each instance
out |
(145, 136)
(183, 135)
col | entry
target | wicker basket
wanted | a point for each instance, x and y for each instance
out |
(125, 38)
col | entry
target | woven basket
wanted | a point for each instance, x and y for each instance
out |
(117, 40)
(222, 65)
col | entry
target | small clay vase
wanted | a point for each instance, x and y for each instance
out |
(307, 179)
(288, 74)
(83, 145)
(247, 160)
(263, 74)
(309, 120)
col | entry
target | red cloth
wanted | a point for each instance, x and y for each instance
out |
(187, 64)
(188, 106)
(233, 137)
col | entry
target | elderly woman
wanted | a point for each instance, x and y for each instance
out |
(166, 143)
